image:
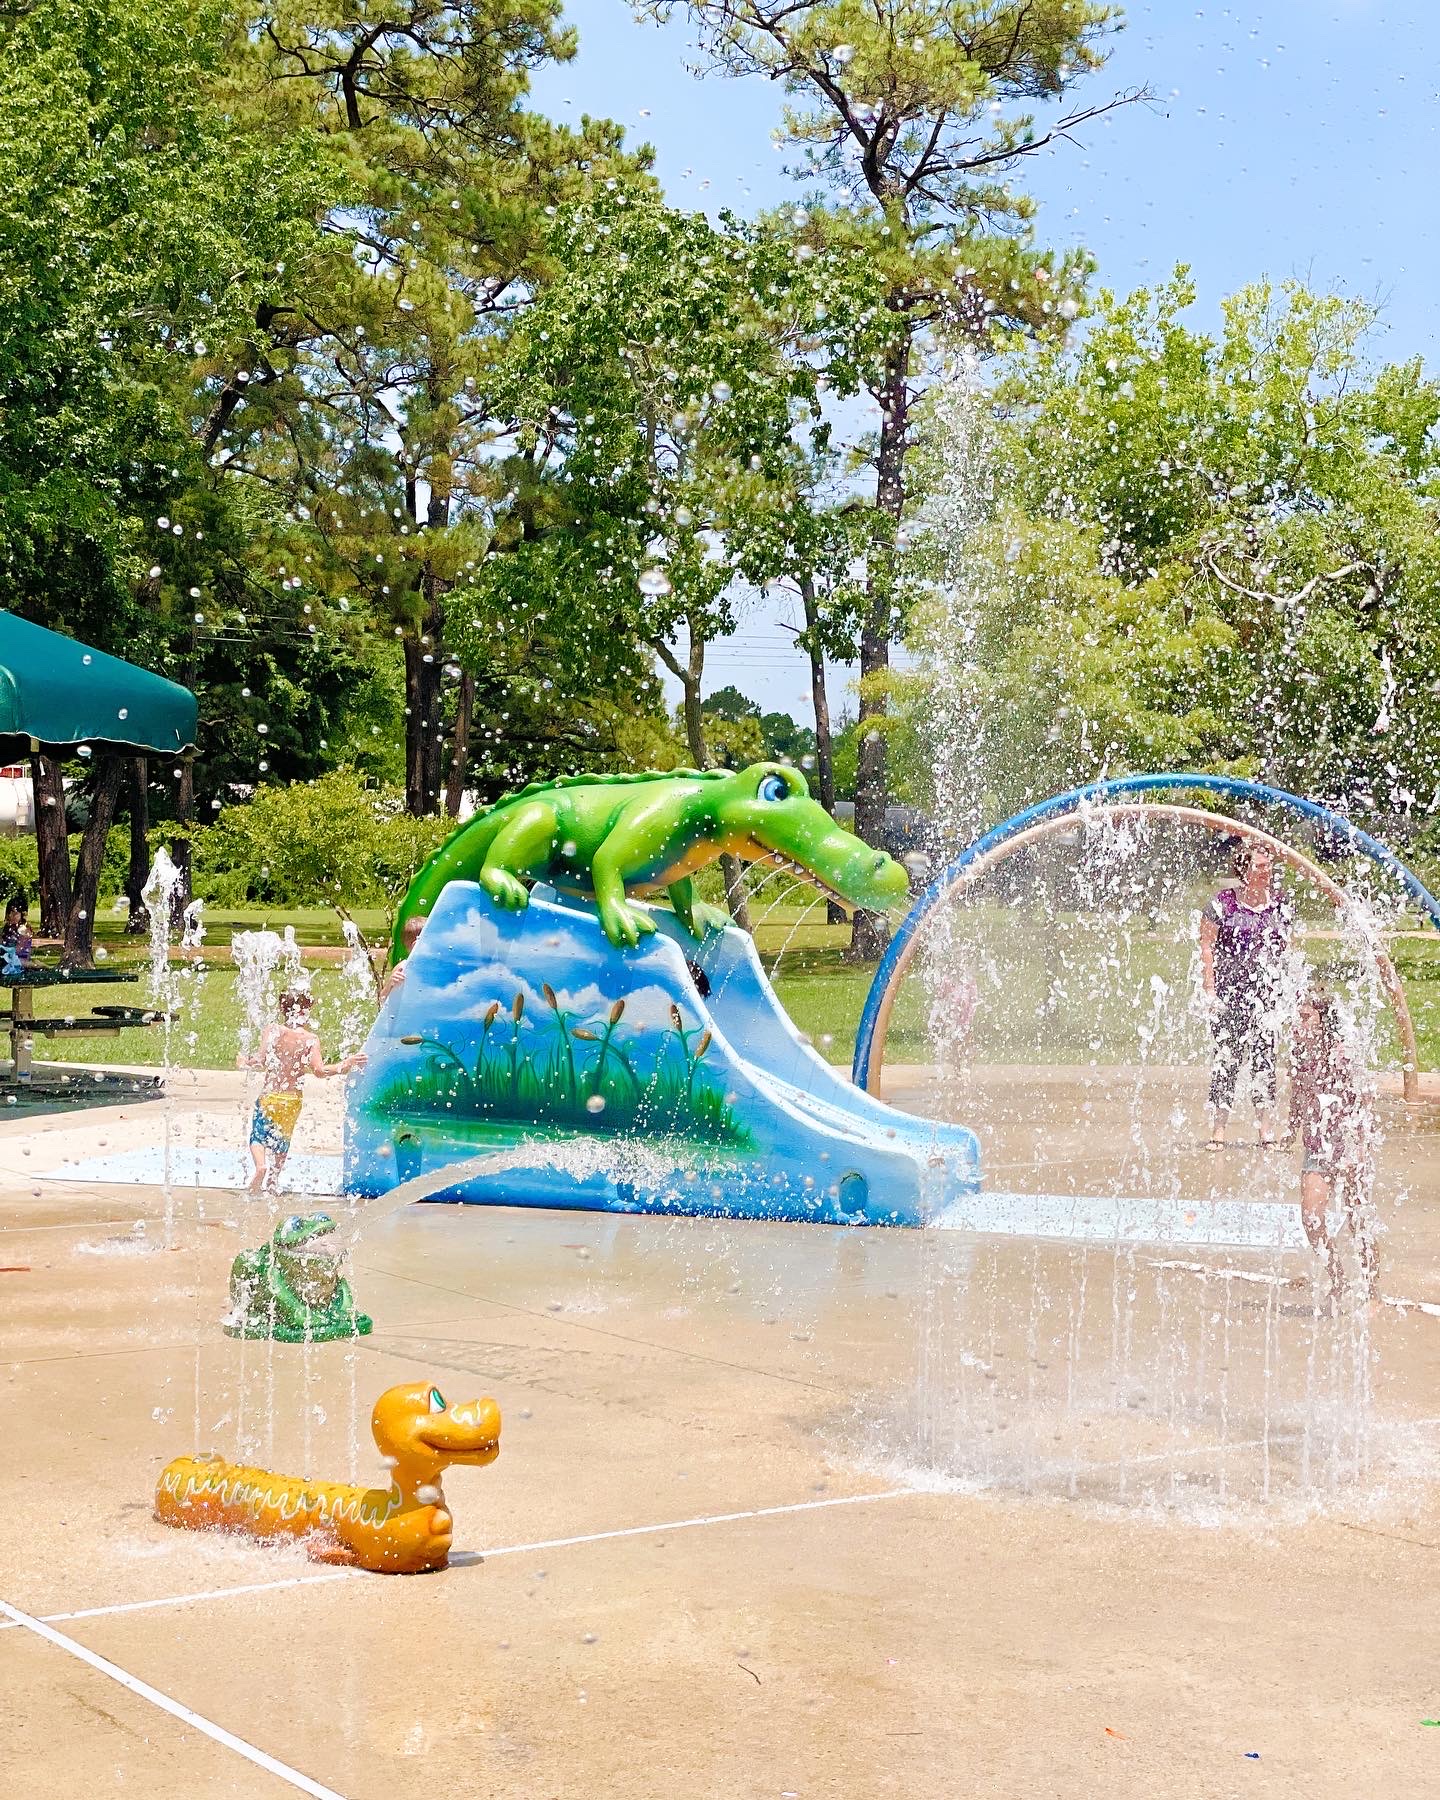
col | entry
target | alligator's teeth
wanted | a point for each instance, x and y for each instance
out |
(788, 866)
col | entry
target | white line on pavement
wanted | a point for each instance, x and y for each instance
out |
(261, 1758)
(133, 1606)
(460, 1557)
(755, 1512)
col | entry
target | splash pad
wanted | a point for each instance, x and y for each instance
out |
(529, 1059)
(697, 1407)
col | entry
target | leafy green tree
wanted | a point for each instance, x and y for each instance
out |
(659, 375)
(1213, 551)
(785, 741)
(142, 227)
(776, 736)
(911, 115)
(138, 220)
(658, 378)
(729, 703)
(388, 454)
(817, 551)
(731, 742)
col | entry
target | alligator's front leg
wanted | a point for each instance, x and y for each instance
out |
(522, 847)
(623, 923)
(343, 1310)
(288, 1316)
(647, 836)
(247, 1278)
(697, 916)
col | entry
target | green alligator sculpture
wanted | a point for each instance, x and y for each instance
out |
(607, 836)
(292, 1288)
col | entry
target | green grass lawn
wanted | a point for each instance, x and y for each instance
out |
(1061, 991)
(311, 925)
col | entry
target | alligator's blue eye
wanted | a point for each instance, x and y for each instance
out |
(772, 788)
(437, 1401)
(292, 1224)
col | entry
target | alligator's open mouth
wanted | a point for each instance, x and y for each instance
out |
(478, 1450)
(775, 859)
(769, 857)
(309, 1235)
(461, 1433)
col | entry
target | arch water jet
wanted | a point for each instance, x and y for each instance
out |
(1056, 813)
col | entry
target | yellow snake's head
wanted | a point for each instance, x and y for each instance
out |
(414, 1425)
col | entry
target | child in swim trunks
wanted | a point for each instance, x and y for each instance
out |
(288, 1052)
(1331, 1113)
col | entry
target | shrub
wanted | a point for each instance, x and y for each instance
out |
(313, 844)
(19, 872)
(115, 864)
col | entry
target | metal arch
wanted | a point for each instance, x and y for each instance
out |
(869, 1044)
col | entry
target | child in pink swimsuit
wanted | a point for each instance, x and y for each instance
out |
(1332, 1115)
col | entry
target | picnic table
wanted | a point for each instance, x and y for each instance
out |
(22, 1026)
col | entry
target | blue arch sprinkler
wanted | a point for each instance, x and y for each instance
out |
(1075, 800)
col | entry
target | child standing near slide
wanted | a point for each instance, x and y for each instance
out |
(288, 1052)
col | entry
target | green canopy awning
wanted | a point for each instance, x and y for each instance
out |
(59, 693)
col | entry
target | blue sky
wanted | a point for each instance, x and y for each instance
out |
(1287, 137)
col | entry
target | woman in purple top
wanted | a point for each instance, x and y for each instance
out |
(1244, 939)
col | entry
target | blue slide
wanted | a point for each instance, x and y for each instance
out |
(665, 1078)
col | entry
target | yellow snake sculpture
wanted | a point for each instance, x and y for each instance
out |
(404, 1529)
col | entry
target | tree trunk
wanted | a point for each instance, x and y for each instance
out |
(732, 870)
(424, 759)
(871, 932)
(184, 855)
(79, 950)
(820, 701)
(694, 722)
(422, 724)
(432, 744)
(139, 919)
(414, 767)
(52, 844)
(460, 755)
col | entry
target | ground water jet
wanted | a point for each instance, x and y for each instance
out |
(1200, 1385)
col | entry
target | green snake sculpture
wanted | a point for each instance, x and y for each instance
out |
(292, 1288)
(609, 836)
